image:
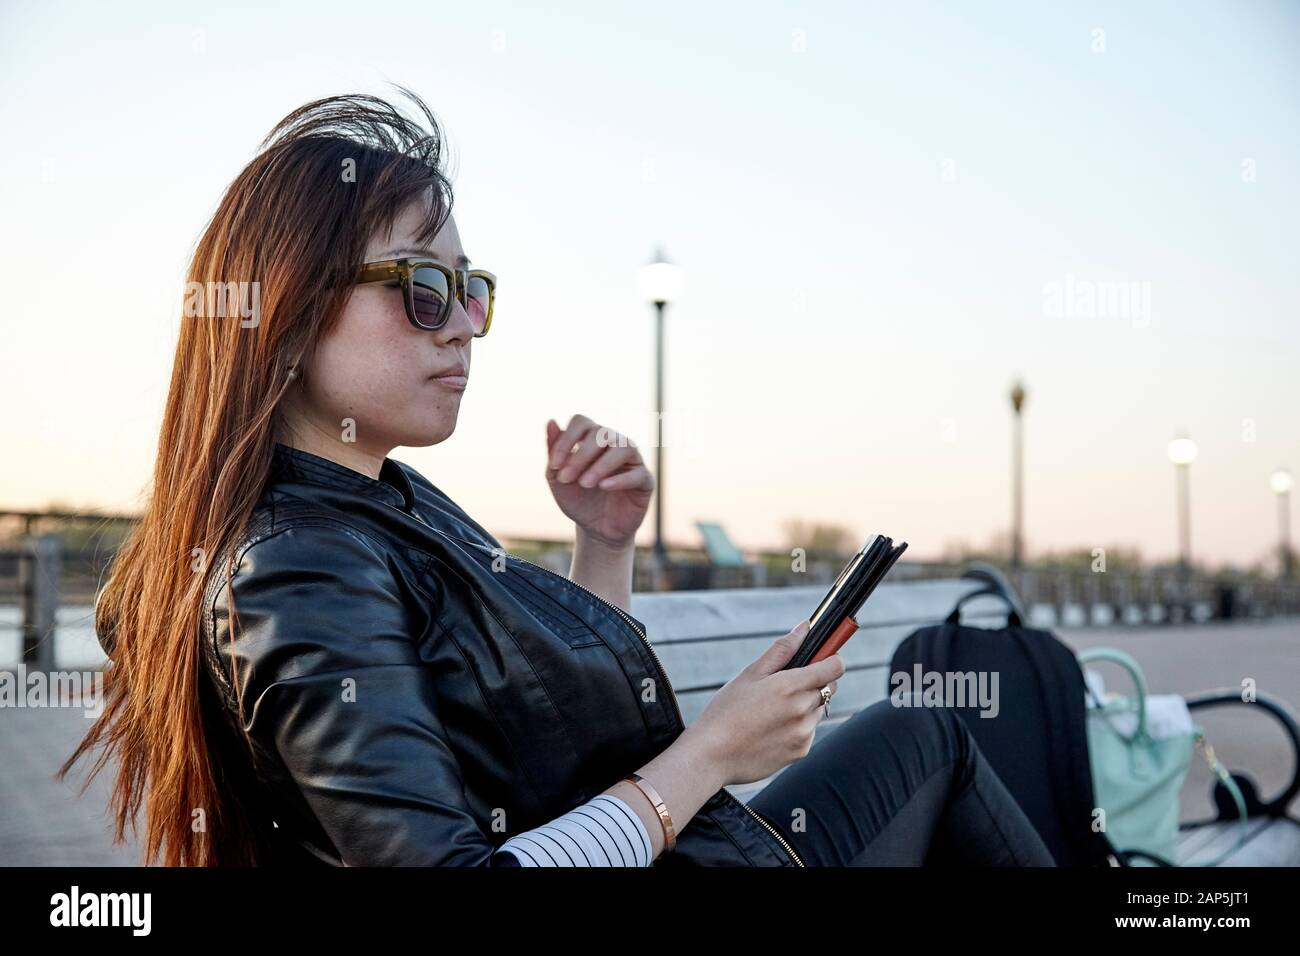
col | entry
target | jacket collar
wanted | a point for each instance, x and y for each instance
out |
(392, 487)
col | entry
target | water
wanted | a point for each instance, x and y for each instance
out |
(75, 644)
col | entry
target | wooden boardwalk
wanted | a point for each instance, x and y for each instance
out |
(42, 821)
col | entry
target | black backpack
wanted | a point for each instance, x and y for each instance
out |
(1038, 741)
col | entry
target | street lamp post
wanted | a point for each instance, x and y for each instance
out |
(1017, 477)
(660, 283)
(1282, 482)
(1182, 452)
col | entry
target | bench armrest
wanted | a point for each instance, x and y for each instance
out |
(1276, 709)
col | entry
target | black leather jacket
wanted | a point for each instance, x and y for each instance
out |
(406, 703)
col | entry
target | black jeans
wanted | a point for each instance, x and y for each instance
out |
(899, 786)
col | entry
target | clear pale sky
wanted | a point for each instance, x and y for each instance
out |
(871, 202)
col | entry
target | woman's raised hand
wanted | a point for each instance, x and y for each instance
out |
(598, 479)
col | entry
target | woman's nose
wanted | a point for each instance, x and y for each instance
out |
(458, 327)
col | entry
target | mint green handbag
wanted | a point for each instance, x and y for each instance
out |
(1137, 776)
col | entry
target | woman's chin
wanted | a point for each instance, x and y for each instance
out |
(430, 434)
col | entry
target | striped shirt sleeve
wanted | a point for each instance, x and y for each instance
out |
(604, 831)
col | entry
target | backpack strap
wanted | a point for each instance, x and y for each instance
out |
(1068, 744)
(1013, 616)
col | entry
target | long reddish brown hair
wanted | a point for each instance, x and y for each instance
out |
(296, 221)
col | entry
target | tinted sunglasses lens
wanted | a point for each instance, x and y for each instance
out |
(429, 296)
(478, 302)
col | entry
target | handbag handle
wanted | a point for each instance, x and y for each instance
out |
(1225, 778)
(1013, 616)
(1135, 672)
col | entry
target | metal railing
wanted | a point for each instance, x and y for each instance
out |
(44, 571)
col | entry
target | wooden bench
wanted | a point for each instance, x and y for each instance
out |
(704, 638)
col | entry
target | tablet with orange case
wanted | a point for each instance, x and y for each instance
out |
(834, 620)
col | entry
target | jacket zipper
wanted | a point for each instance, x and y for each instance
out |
(772, 830)
(658, 666)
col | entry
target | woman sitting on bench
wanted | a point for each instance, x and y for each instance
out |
(319, 657)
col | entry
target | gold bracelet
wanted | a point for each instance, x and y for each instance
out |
(665, 820)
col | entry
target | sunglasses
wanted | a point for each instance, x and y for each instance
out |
(428, 287)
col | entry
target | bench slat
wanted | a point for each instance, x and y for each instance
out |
(1271, 842)
(705, 638)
